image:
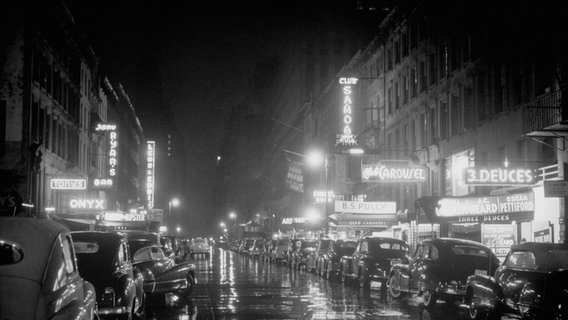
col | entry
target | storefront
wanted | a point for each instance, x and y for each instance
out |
(496, 221)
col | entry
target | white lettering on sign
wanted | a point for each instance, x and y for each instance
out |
(103, 183)
(150, 160)
(293, 220)
(105, 127)
(123, 216)
(498, 176)
(385, 173)
(94, 204)
(68, 184)
(320, 196)
(113, 159)
(346, 137)
(383, 207)
(456, 207)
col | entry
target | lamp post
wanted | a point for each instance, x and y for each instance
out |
(315, 159)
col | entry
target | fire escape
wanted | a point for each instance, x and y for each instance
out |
(547, 117)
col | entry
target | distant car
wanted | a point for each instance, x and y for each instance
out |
(104, 260)
(267, 252)
(293, 246)
(440, 268)
(279, 252)
(329, 262)
(257, 249)
(162, 275)
(246, 246)
(39, 278)
(532, 281)
(312, 264)
(299, 256)
(199, 246)
(372, 259)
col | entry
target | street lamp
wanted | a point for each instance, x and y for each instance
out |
(178, 230)
(315, 159)
(174, 202)
(222, 224)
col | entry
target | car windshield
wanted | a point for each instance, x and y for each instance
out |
(137, 244)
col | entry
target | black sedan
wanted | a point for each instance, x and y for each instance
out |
(439, 269)
(328, 265)
(104, 260)
(39, 278)
(533, 281)
(162, 276)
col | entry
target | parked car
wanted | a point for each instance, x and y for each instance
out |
(329, 263)
(140, 239)
(371, 260)
(171, 248)
(269, 246)
(246, 246)
(104, 260)
(533, 281)
(293, 246)
(439, 269)
(279, 252)
(299, 256)
(312, 264)
(199, 246)
(162, 275)
(38, 273)
(257, 249)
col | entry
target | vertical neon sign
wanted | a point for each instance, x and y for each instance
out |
(346, 137)
(150, 161)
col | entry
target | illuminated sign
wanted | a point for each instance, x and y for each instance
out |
(105, 127)
(150, 169)
(485, 206)
(103, 183)
(293, 220)
(123, 216)
(383, 172)
(320, 196)
(113, 160)
(88, 204)
(498, 176)
(346, 137)
(383, 207)
(68, 184)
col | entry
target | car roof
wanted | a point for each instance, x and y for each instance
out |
(453, 241)
(532, 246)
(386, 239)
(104, 237)
(36, 238)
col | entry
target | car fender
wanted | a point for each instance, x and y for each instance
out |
(127, 287)
(485, 290)
(532, 295)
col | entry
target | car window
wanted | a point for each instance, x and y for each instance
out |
(430, 252)
(418, 252)
(521, 260)
(558, 260)
(142, 254)
(121, 254)
(68, 257)
(157, 253)
(86, 247)
(462, 250)
(364, 246)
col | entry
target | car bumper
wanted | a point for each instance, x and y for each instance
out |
(105, 311)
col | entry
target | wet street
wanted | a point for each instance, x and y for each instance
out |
(232, 286)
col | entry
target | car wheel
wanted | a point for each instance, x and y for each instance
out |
(472, 312)
(429, 299)
(394, 287)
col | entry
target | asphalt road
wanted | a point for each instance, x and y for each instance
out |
(232, 286)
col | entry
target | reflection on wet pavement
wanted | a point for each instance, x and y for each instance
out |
(232, 286)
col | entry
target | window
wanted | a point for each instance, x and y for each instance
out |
(404, 89)
(121, 254)
(443, 60)
(404, 44)
(432, 70)
(455, 123)
(396, 96)
(413, 83)
(498, 88)
(364, 247)
(389, 100)
(444, 125)
(68, 255)
(431, 253)
(524, 260)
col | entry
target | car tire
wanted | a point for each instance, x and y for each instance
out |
(473, 313)
(429, 299)
(394, 291)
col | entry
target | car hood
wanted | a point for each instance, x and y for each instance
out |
(18, 298)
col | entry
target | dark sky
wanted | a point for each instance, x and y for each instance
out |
(205, 52)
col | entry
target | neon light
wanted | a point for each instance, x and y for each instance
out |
(150, 171)
(498, 176)
(93, 204)
(68, 184)
(113, 159)
(347, 138)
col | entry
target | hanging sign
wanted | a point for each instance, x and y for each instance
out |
(150, 169)
(386, 172)
(383, 207)
(346, 137)
(498, 176)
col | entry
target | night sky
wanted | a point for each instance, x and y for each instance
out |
(205, 53)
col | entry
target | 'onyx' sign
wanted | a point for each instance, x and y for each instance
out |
(87, 204)
(498, 176)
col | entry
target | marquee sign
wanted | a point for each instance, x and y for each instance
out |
(87, 204)
(495, 209)
(383, 207)
(386, 172)
(123, 216)
(103, 183)
(498, 176)
(150, 170)
(68, 184)
(346, 137)
(321, 197)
